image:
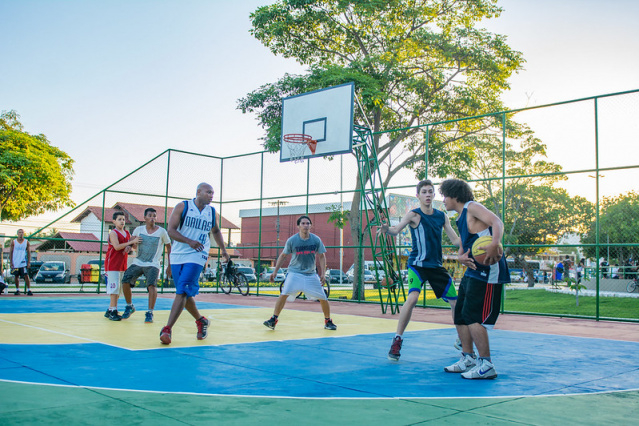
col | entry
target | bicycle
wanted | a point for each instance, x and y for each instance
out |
(325, 286)
(232, 278)
(632, 285)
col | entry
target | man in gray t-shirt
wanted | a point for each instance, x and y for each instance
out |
(302, 273)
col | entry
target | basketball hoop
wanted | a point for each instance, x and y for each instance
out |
(297, 144)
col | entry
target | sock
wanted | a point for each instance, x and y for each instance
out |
(274, 316)
(399, 335)
(111, 308)
(487, 358)
(470, 355)
(150, 311)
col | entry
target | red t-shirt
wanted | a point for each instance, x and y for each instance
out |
(116, 260)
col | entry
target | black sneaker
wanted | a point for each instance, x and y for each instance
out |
(148, 317)
(29, 293)
(128, 311)
(2, 287)
(271, 323)
(394, 354)
(113, 316)
(106, 314)
(328, 324)
(17, 293)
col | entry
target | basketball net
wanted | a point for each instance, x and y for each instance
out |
(297, 144)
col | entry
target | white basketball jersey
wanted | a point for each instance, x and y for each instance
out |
(197, 226)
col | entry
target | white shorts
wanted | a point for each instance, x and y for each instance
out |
(114, 280)
(310, 285)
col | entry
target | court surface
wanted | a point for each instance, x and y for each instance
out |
(62, 361)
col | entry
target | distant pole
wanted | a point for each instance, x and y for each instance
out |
(278, 203)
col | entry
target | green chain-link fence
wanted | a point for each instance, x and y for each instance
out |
(560, 176)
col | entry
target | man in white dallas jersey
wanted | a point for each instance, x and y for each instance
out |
(303, 275)
(190, 226)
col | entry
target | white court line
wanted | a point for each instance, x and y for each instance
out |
(223, 395)
(61, 334)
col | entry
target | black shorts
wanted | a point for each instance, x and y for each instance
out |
(478, 302)
(19, 272)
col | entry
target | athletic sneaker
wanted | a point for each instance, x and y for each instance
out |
(2, 287)
(394, 354)
(106, 314)
(465, 363)
(148, 317)
(202, 325)
(271, 323)
(114, 316)
(483, 370)
(17, 293)
(458, 344)
(165, 335)
(328, 324)
(128, 311)
(29, 293)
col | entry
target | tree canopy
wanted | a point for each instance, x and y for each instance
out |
(413, 62)
(34, 175)
(617, 225)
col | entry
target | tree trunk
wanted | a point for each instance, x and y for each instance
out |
(356, 236)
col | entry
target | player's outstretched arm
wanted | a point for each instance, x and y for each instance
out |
(386, 229)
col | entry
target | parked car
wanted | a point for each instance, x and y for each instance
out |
(266, 275)
(335, 276)
(53, 272)
(368, 277)
(248, 272)
(34, 267)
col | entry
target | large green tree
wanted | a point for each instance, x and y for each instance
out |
(618, 219)
(413, 62)
(34, 175)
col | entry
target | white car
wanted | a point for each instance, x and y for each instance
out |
(266, 275)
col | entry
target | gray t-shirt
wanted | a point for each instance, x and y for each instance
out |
(303, 251)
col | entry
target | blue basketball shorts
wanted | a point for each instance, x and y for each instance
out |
(186, 277)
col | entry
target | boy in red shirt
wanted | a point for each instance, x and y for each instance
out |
(115, 263)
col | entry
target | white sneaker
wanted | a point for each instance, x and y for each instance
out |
(483, 370)
(465, 363)
(458, 344)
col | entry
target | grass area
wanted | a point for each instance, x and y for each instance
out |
(545, 302)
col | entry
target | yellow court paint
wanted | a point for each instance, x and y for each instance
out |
(228, 326)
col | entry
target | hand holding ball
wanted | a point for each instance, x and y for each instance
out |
(480, 254)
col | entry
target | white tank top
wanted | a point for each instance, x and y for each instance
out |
(197, 226)
(19, 254)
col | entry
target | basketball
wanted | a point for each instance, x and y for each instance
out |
(480, 254)
(387, 282)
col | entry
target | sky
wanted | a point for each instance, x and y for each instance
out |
(116, 83)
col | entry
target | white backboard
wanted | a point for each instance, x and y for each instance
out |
(326, 115)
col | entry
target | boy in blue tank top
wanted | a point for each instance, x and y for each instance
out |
(481, 287)
(425, 261)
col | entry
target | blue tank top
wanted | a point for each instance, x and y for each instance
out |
(493, 274)
(427, 239)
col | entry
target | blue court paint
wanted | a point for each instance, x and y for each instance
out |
(23, 305)
(346, 367)
(528, 364)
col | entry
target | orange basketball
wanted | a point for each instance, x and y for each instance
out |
(480, 254)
